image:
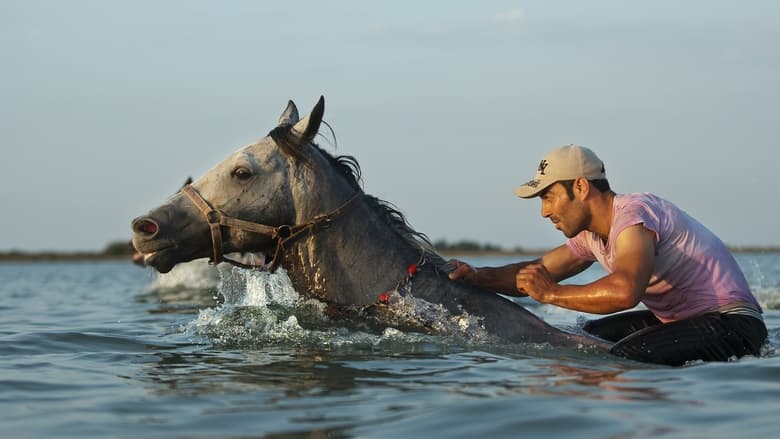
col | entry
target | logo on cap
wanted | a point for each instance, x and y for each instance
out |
(542, 166)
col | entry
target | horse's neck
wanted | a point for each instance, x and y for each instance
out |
(352, 260)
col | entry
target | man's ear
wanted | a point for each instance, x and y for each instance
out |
(581, 188)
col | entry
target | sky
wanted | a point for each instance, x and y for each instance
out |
(106, 107)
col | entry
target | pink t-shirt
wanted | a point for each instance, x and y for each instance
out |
(694, 272)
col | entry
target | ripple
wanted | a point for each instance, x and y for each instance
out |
(67, 342)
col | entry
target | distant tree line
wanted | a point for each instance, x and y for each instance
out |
(122, 249)
(118, 248)
(114, 250)
(465, 246)
(469, 246)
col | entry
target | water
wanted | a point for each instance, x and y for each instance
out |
(108, 350)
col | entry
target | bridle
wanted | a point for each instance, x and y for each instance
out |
(282, 233)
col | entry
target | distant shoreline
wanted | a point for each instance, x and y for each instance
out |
(538, 252)
(16, 256)
(52, 256)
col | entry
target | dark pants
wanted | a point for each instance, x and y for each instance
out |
(640, 336)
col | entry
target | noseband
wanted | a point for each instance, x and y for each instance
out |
(282, 234)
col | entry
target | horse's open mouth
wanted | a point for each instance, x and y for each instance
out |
(161, 259)
(164, 255)
(156, 260)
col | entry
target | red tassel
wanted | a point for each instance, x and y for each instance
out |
(412, 269)
(384, 298)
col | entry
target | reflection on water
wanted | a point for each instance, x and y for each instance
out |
(597, 383)
(82, 359)
(256, 348)
(281, 375)
(180, 301)
(336, 394)
(277, 372)
(264, 336)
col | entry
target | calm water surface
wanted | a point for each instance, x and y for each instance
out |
(108, 350)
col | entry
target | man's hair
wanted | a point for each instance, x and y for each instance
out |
(601, 184)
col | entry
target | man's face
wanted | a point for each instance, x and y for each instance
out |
(570, 216)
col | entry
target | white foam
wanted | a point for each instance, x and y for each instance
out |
(768, 298)
(261, 308)
(241, 287)
(197, 274)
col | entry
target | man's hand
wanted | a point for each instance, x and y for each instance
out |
(497, 279)
(535, 281)
(462, 271)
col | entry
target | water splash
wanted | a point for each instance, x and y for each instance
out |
(254, 308)
(762, 278)
(196, 275)
(256, 288)
(407, 311)
(768, 298)
(262, 308)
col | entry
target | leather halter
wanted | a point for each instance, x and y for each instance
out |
(282, 234)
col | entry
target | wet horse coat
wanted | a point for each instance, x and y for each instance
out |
(344, 247)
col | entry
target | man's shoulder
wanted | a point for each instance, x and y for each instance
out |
(643, 208)
(642, 201)
(638, 197)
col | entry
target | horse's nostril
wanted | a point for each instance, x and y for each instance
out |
(145, 226)
(149, 227)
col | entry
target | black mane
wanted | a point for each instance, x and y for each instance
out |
(348, 167)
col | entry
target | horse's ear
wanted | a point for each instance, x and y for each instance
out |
(289, 115)
(308, 127)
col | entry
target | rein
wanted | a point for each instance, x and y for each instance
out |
(282, 234)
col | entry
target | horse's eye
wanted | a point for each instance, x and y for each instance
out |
(242, 173)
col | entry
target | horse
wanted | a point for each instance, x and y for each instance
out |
(286, 197)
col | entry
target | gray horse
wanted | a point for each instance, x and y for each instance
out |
(304, 208)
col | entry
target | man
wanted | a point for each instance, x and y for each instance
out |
(699, 305)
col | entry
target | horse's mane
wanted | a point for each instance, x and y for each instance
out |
(348, 167)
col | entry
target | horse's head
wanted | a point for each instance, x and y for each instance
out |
(259, 183)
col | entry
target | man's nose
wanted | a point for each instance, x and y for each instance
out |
(546, 212)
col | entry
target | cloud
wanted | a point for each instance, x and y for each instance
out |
(512, 16)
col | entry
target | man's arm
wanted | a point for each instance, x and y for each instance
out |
(503, 279)
(562, 264)
(620, 290)
(498, 279)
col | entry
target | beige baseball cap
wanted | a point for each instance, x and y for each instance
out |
(567, 162)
